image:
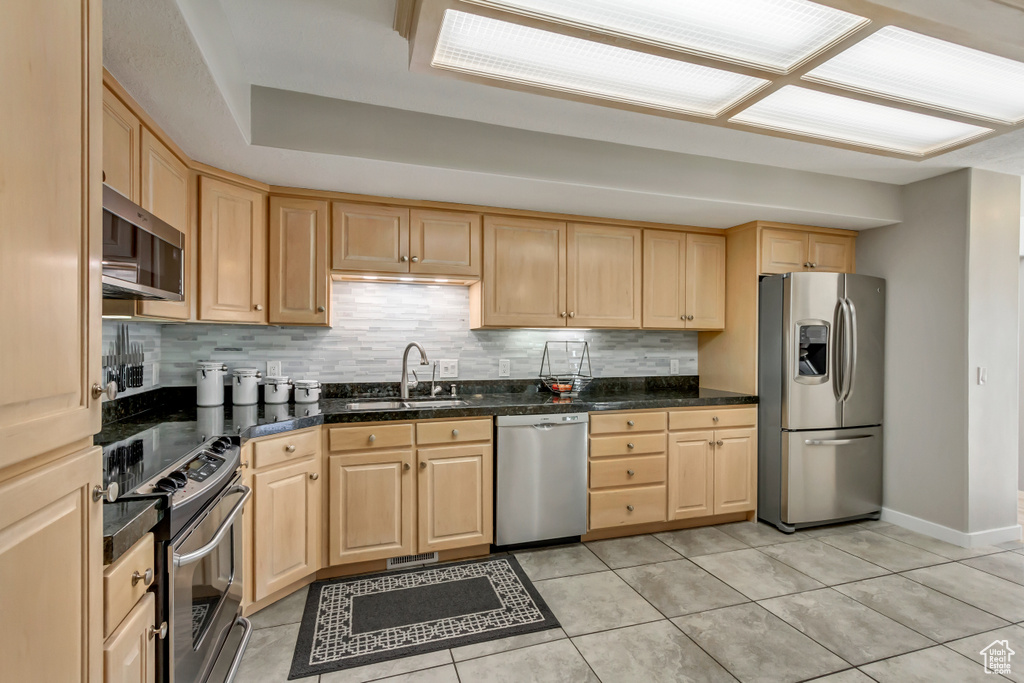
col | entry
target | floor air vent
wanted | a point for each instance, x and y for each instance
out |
(411, 560)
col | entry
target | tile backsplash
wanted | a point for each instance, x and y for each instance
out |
(373, 322)
(149, 334)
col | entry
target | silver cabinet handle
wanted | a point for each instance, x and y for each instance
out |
(814, 265)
(630, 423)
(630, 472)
(689, 317)
(682, 317)
(455, 432)
(157, 632)
(406, 467)
(423, 465)
(244, 463)
(258, 307)
(629, 507)
(290, 448)
(719, 443)
(572, 314)
(711, 443)
(146, 578)
(415, 259)
(563, 314)
(314, 476)
(629, 446)
(807, 264)
(225, 526)
(320, 309)
(714, 418)
(404, 259)
(110, 390)
(108, 494)
(837, 442)
(373, 437)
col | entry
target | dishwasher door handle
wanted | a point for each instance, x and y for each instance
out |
(544, 426)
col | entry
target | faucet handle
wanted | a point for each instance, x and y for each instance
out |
(414, 382)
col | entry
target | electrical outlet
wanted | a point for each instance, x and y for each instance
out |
(673, 366)
(504, 368)
(449, 369)
(273, 368)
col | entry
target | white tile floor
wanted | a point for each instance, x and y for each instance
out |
(848, 604)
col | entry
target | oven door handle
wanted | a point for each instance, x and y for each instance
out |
(196, 555)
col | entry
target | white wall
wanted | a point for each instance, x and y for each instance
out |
(1020, 361)
(924, 263)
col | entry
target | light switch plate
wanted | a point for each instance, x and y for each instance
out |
(273, 368)
(673, 366)
(504, 368)
(449, 369)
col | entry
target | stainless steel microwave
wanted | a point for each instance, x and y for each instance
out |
(142, 255)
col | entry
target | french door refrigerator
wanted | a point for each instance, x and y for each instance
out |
(820, 386)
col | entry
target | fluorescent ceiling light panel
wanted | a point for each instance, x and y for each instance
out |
(498, 49)
(808, 112)
(770, 34)
(911, 67)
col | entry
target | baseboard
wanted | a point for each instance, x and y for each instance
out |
(944, 533)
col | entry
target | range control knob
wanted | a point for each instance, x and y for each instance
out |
(220, 445)
(166, 484)
(179, 478)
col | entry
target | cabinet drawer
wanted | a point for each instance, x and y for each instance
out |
(627, 422)
(278, 449)
(612, 507)
(367, 437)
(121, 587)
(454, 431)
(712, 418)
(646, 469)
(628, 444)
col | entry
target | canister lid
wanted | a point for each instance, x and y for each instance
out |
(275, 379)
(246, 372)
(306, 384)
(210, 365)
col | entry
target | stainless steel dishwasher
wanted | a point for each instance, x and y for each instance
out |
(542, 478)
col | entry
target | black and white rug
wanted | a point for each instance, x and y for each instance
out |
(361, 620)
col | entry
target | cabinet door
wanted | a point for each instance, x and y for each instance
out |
(165, 191)
(603, 282)
(664, 297)
(121, 131)
(783, 251)
(51, 565)
(735, 470)
(445, 243)
(129, 654)
(830, 253)
(371, 506)
(286, 525)
(50, 225)
(232, 253)
(524, 273)
(369, 238)
(691, 475)
(705, 282)
(299, 292)
(455, 497)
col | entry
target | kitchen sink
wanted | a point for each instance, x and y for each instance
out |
(398, 405)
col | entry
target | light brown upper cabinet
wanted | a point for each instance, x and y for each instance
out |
(232, 253)
(792, 251)
(444, 243)
(165, 194)
(684, 280)
(603, 279)
(299, 292)
(121, 140)
(368, 237)
(524, 274)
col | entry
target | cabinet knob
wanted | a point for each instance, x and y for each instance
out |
(719, 443)
(415, 259)
(314, 475)
(373, 437)
(682, 317)
(807, 264)
(689, 317)
(455, 432)
(157, 632)
(110, 390)
(244, 463)
(714, 418)
(630, 472)
(146, 577)
(711, 443)
(423, 465)
(320, 309)
(572, 314)
(258, 307)
(629, 423)
(290, 448)
(629, 507)
(108, 494)
(563, 314)
(404, 259)
(406, 467)
(814, 265)
(629, 446)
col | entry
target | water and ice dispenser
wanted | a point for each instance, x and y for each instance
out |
(813, 360)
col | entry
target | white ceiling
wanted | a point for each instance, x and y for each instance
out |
(191, 63)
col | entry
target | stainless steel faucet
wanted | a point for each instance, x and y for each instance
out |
(405, 367)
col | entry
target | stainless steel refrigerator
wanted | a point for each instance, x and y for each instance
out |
(820, 386)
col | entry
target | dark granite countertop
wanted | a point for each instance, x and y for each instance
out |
(126, 522)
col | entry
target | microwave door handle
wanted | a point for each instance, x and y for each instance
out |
(850, 341)
(196, 555)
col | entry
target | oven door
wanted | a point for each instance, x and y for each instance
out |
(206, 584)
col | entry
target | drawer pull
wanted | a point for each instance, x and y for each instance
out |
(455, 432)
(373, 437)
(290, 448)
(714, 418)
(314, 476)
(406, 467)
(630, 446)
(160, 632)
(629, 423)
(629, 507)
(630, 472)
(146, 577)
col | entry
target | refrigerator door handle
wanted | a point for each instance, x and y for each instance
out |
(837, 442)
(837, 351)
(850, 341)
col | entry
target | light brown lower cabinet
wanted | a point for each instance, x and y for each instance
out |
(735, 470)
(455, 497)
(712, 472)
(129, 654)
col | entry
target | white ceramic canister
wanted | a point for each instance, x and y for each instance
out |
(246, 387)
(210, 383)
(276, 389)
(307, 390)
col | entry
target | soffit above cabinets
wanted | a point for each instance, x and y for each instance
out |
(843, 73)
